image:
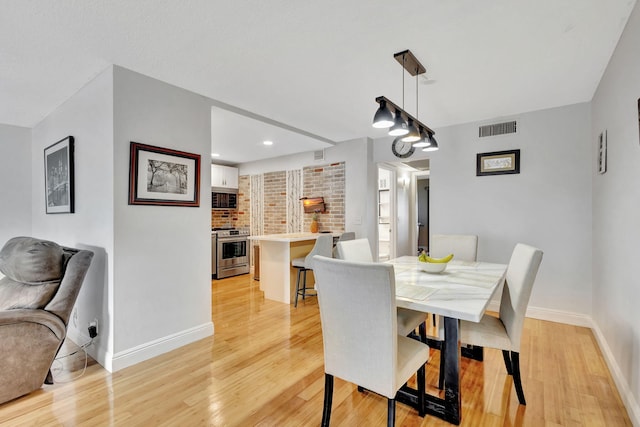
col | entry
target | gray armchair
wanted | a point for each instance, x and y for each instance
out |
(42, 281)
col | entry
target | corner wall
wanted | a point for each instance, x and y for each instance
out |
(162, 254)
(88, 117)
(616, 205)
(15, 176)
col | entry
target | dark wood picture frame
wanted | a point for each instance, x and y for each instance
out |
(59, 176)
(163, 177)
(498, 163)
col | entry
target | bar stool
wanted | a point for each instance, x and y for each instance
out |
(324, 247)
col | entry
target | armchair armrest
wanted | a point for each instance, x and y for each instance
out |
(44, 318)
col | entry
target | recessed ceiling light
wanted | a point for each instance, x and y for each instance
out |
(267, 142)
(215, 155)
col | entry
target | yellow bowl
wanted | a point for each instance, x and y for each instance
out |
(432, 267)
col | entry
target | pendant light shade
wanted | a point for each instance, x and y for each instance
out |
(433, 146)
(383, 117)
(413, 135)
(423, 141)
(399, 127)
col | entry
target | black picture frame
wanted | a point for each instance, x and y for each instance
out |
(498, 163)
(59, 179)
(163, 176)
(602, 152)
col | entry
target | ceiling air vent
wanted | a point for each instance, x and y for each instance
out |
(318, 155)
(497, 129)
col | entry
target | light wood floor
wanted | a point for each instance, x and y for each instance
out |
(264, 367)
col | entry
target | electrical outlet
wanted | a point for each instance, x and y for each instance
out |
(93, 328)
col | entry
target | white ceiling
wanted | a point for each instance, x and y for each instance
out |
(314, 67)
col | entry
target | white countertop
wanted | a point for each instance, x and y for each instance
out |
(290, 237)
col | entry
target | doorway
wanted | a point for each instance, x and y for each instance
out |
(386, 213)
(422, 202)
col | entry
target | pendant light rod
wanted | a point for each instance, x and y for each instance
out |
(404, 114)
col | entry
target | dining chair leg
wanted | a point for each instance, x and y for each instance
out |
(422, 329)
(507, 361)
(421, 389)
(391, 412)
(517, 382)
(442, 367)
(328, 398)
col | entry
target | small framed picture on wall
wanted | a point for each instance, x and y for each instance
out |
(602, 152)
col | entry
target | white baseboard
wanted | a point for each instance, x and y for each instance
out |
(157, 347)
(576, 319)
(629, 400)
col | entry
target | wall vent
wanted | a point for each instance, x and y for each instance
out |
(497, 129)
(318, 155)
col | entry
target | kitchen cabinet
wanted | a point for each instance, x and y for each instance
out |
(224, 176)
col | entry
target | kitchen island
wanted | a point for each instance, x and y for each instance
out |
(277, 276)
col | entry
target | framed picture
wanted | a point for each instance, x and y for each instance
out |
(161, 176)
(602, 152)
(58, 176)
(498, 163)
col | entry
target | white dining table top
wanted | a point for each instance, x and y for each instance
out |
(462, 291)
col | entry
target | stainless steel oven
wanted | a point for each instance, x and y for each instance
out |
(232, 253)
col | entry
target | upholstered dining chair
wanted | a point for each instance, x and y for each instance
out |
(408, 320)
(505, 331)
(324, 247)
(42, 281)
(357, 303)
(347, 235)
(464, 247)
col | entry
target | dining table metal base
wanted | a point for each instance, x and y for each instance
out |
(449, 408)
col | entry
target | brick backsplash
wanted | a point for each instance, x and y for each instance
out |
(326, 181)
(236, 218)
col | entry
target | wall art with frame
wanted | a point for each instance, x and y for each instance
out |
(163, 177)
(498, 163)
(59, 176)
(602, 152)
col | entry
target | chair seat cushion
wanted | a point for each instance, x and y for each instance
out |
(298, 262)
(408, 320)
(489, 332)
(411, 355)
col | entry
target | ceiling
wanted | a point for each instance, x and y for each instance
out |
(306, 74)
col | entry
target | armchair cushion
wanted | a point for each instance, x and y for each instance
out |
(16, 295)
(33, 270)
(32, 261)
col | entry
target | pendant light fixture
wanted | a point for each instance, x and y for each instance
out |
(401, 123)
(433, 146)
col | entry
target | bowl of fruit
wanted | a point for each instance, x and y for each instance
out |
(433, 265)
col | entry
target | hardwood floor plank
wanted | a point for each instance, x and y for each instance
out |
(264, 367)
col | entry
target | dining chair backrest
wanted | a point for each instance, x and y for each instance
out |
(464, 247)
(354, 250)
(347, 235)
(358, 315)
(323, 246)
(521, 273)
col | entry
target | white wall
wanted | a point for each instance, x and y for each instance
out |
(162, 256)
(15, 176)
(616, 208)
(547, 205)
(88, 117)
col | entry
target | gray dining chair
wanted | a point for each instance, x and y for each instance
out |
(505, 331)
(357, 303)
(408, 320)
(323, 246)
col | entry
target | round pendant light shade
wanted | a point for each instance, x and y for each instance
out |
(433, 146)
(399, 127)
(383, 117)
(413, 135)
(423, 141)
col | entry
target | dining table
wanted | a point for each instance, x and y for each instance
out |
(461, 292)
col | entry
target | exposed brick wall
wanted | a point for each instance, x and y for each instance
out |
(244, 202)
(326, 181)
(275, 202)
(236, 218)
